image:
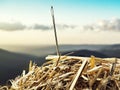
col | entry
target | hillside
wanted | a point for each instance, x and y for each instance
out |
(12, 64)
(111, 51)
(42, 50)
(85, 53)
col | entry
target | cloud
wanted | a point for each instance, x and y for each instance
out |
(104, 25)
(41, 27)
(11, 26)
(6, 26)
(65, 26)
(58, 26)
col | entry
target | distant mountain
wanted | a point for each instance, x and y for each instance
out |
(99, 51)
(41, 50)
(111, 51)
(115, 46)
(85, 53)
(44, 50)
(12, 64)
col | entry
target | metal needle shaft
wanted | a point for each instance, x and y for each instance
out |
(55, 32)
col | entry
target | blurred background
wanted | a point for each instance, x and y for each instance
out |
(85, 27)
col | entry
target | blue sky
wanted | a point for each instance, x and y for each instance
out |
(66, 11)
(19, 20)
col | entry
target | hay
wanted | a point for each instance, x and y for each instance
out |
(71, 73)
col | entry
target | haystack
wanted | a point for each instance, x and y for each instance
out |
(70, 73)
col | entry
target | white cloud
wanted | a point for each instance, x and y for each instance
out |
(104, 25)
(6, 26)
(41, 27)
(47, 27)
(11, 26)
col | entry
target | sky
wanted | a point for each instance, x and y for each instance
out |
(29, 22)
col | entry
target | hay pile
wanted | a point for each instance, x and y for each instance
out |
(71, 73)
